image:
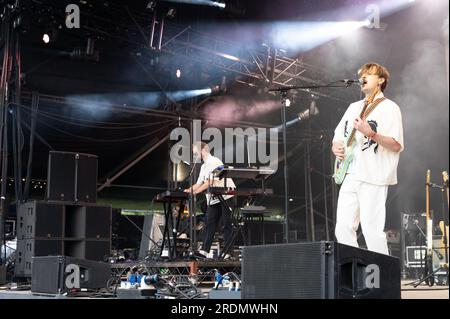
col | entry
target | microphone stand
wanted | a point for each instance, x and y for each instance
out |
(192, 213)
(284, 92)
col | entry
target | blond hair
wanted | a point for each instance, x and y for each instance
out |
(376, 69)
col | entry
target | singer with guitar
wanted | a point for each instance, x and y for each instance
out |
(367, 145)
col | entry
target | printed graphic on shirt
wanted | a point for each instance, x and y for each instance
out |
(369, 142)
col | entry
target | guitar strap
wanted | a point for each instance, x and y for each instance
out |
(364, 113)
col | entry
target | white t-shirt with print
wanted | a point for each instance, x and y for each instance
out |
(206, 170)
(372, 162)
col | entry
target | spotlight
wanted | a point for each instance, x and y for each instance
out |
(151, 6)
(287, 102)
(50, 35)
(311, 111)
(171, 13)
(304, 115)
(46, 38)
(178, 73)
(221, 5)
(215, 89)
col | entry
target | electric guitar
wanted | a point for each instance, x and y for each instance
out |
(341, 166)
(442, 226)
(429, 225)
(445, 178)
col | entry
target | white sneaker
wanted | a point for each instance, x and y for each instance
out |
(203, 253)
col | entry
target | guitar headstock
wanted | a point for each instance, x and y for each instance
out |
(445, 176)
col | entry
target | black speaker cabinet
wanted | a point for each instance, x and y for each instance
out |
(57, 274)
(72, 177)
(40, 219)
(28, 248)
(318, 270)
(52, 228)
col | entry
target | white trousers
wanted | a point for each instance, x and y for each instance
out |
(364, 203)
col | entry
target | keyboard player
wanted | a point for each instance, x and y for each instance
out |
(216, 212)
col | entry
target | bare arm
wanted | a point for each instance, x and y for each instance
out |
(386, 141)
(200, 188)
(194, 188)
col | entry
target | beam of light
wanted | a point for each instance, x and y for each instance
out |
(201, 3)
(183, 95)
(230, 57)
(98, 104)
(304, 36)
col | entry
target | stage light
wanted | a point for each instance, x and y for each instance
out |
(210, 3)
(151, 5)
(304, 115)
(46, 38)
(287, 103)
(178, 73)
(221, 5)
(171, 13)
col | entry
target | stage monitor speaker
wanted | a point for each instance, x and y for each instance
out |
(58, 274)
(72, 177)
(318, 270)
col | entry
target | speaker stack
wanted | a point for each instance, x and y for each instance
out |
(69, 222)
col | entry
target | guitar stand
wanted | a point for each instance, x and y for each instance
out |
(423, 261)
(430, 277)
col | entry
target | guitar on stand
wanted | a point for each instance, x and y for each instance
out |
(429, 224)
(443, 225)
(429, 273)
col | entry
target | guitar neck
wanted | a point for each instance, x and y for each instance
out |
(352, 134)
(445, 178)
(364, 113)
(429, 223)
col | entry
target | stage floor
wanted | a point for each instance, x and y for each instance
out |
(408, 292)
(424, 291)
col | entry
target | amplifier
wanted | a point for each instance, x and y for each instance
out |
(318, 270)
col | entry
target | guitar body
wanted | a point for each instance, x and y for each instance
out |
(341, 167)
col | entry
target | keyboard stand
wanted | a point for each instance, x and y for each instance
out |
(169, 231)
(236, 229)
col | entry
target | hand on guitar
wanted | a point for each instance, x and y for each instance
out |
(338, 150)
(362, 126)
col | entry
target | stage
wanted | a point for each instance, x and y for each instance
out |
(408, 292)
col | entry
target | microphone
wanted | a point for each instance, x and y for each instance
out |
(351, 81)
